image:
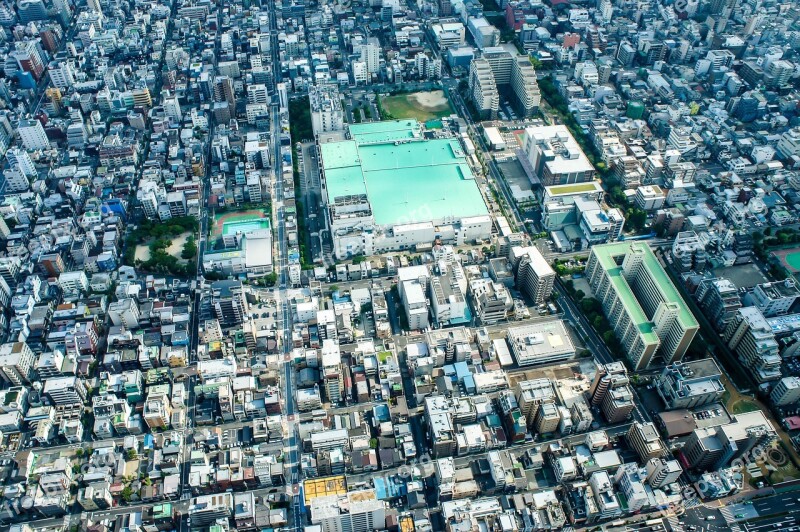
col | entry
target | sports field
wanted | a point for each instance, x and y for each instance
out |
(244, 221)
(423, 106)
(789, 259)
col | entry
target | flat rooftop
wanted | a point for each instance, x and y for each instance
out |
(575, 188)
(405, 178)
(607, 255)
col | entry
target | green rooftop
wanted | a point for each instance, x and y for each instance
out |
(607, 254)
(406, 178)
(576, 188)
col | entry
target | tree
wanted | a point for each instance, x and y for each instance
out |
(579, 295)
(79, 452)
(131, 454)
(127, 494)
(609, 338)
(189, 249)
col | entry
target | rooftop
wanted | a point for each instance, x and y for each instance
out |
(607, 255)
(406, 179)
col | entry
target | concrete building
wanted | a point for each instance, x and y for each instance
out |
(642, 305)
(228, 301)
(786, 392)
(662, 472)
(719, 300)
(540, 343)
(326, 109)
(690, 384)
(752, 339)
(644, 439)
(378, 199)
(355, 511)
(610, 391)
(496, 69)
(534, 276)
(712, 448)
(553, 157)
(774, 299)
(16, 363)
(32, 135)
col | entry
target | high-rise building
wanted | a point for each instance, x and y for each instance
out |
(786, 392)
(611, 392)
(31, 11)
(257, 94)
(719, 300)
(62, 74)
(644, 308)
(21, 159)
(713, 448)
(534, 276)
(16, 363)
(644, 439)
(752, 339)
(370, 55)
(230, 306)
(332, 371)
(32, 135)
(662, 472)
(499, 68)
(326, 108)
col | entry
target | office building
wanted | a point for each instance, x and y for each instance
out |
(690, 384)
(713, 448)
(662, 472)
(644, 439)
(751, 338)
(553, 157)
(786, 392)
(534, 276)
(540, 343)
(642, 305)
(354, 511)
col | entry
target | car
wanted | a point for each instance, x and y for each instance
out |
(739, 516)
(710, 518)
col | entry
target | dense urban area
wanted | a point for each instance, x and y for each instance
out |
(402, 265)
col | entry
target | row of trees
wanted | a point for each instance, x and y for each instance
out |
(593, 311)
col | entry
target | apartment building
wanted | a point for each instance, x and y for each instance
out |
(750, 336)
(534, 276)
(326, 109)
(642, 305)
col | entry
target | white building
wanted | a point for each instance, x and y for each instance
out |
(540, 343)
(326, 108)
(32, 135)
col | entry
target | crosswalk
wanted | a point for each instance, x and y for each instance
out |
(727, 514)
(674, 524)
